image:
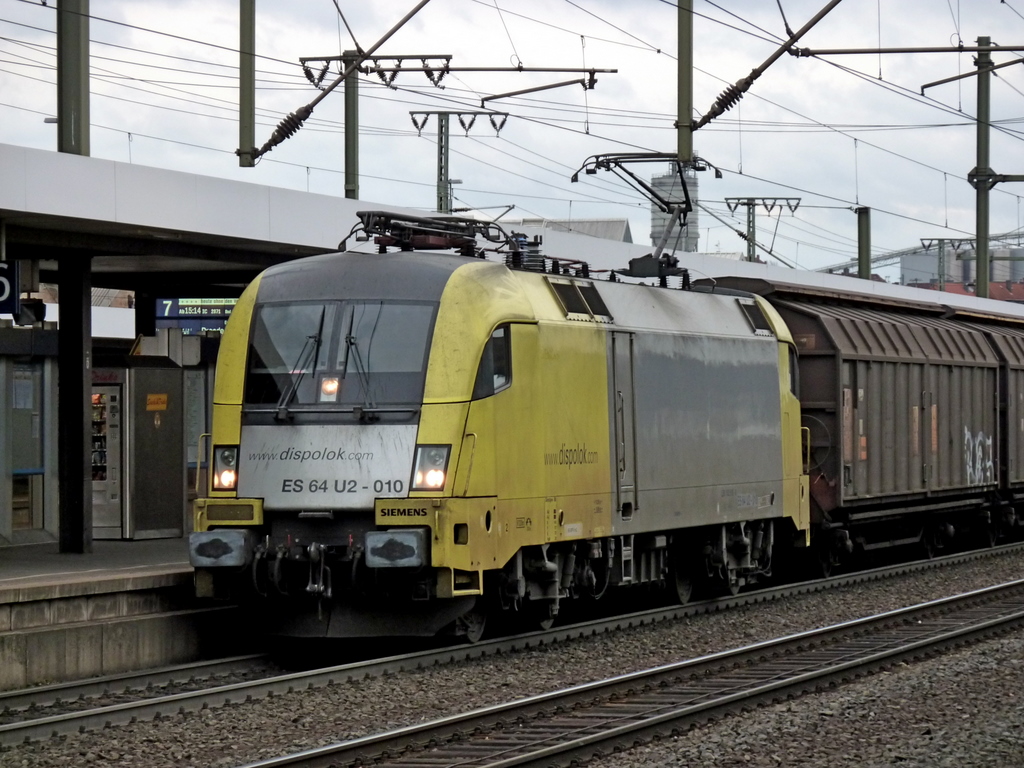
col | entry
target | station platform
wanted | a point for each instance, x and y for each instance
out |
(40, 571)
(126, 605)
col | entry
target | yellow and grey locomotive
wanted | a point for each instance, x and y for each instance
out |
(406, 441)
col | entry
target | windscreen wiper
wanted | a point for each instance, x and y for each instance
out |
(364, 379)
(308, 354)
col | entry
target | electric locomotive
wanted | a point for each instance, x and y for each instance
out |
(405, 442)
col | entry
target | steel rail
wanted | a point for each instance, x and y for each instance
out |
(42, 727)
(564, 727)
(158, 677)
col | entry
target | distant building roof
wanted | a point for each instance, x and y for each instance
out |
(1006, 290)
(607, 229)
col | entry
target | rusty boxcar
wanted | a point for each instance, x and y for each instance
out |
(913, 415)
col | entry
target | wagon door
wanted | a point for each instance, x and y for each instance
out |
(625, 432)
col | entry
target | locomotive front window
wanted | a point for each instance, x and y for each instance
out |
(385, 338)
(288, 346)
(339, 354)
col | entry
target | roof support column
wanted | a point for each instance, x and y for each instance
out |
(74, 407)
(145, 314)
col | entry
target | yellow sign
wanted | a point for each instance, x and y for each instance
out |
(156, 402)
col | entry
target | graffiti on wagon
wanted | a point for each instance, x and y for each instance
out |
(978, 464)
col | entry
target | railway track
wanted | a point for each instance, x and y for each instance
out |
(15, 705)
(572, 725)
(40, 713)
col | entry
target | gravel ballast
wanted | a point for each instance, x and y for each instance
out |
(962, 709)
(864, 723)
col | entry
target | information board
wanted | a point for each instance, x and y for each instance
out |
(193, 316)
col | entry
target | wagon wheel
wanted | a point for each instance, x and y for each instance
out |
(989, 535)
(682, 585)
(472, 623)
(537, 615)
(931, 542)
(823, 562)
(730, 582)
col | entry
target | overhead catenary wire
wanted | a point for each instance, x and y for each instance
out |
(748, 124)
(723, 81)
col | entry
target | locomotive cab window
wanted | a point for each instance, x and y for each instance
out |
(338, 353)
(287, 349)
(495, 371)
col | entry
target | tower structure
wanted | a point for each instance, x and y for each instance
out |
(668, 185)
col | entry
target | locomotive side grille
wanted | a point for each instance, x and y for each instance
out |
(580, 300)
(571, 299)
(756, 318)
(594, 300)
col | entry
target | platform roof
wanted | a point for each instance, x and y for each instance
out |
(174, 233)
(149, 228)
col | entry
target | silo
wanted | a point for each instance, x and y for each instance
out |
(1000, 260)
(1016, 264)
(668, 186)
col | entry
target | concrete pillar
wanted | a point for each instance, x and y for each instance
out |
(74, 429)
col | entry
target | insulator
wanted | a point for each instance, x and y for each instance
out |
(287, 128)
(291, 124)
(317, 79)
(388, 78)
(727, 100)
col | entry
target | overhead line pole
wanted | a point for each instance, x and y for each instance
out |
(287, 127)
(351, 125)
(444, 180)
(982, 178)
(443, 137)
(751, 203)
(73, 77)
(982, 172)
(684, 83)
(863, 243)
(246, 81)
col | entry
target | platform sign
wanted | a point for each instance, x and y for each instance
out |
(10, 303)
(193, 316)
(192, 308)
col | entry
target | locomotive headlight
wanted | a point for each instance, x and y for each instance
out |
(329, 389)
(225, 467)
(430, 468)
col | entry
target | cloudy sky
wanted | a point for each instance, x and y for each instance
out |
(836, 132)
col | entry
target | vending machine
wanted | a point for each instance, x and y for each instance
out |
(106, 461)
(138, 453)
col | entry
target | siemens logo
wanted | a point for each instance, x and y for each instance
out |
(418, 512)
